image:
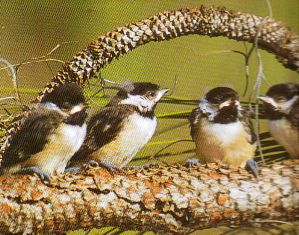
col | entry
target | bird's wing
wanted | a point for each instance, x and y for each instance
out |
(248, 126)
(194, 119)
(102, 128)
(294, 115)
(32, 136)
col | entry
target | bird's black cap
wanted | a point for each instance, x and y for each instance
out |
(221, 94)
(65, 96)
(138, 88)
(284, 90)
(141, 88)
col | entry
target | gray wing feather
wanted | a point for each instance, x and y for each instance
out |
(194, 119)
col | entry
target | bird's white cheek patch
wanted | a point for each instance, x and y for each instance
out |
(146, 105)
(132, 99)
(207, 109)
(287, 106)
(143, 105)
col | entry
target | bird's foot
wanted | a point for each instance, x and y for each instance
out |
(35, 170)
(73, 169)
(252, 167)
(191, 162)
(141, 166)
(76, 169)
(112, 168)
(91, 164)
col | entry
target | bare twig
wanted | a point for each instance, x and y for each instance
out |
(40, 58)
(270, 221)
(246, 55)
(167, 146)
(14, 77)
(260, 78)
(173, 87)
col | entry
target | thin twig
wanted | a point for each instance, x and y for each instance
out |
(169, 145)
(109, 231)
(269, 9)
(104, 88)
(247, 55)
(173, 87)
(260, 78)
(14, 77)
(87, 232)
(271, 221)
(41, 58)
(7, 98)
(32, 62)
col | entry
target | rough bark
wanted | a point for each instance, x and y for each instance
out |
(272, 36)
(170, 199)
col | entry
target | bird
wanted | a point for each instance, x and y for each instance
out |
(49, 136)
(281, 105)
(119, 130)
(222, 131)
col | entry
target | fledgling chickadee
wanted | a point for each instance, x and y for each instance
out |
(49, 136)
(222, 131)
(282, 111)
(119, 130)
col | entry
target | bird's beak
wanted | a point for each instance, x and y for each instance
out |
(268, 100)
(78, 108)
(160, 94)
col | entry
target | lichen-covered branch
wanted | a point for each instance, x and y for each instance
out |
(272, 36)
(170, 199)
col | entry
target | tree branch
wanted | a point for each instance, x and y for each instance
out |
(272, 36)
(172, 199)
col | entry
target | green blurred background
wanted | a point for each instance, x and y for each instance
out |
(32, 28)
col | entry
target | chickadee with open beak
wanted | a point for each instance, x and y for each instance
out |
(222, 131)
(119, 130)
(49, 136)
(282, 111)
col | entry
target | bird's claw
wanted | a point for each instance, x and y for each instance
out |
(252, 167)
(35, 170)
(73, 169)
(141, 166)
(92, 164)
(191, 162)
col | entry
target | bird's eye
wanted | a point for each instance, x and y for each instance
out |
(150, 94)
(66, 105)
(217, 100)
(281, 99)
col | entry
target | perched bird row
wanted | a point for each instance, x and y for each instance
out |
(56, 134)
(55, 137)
